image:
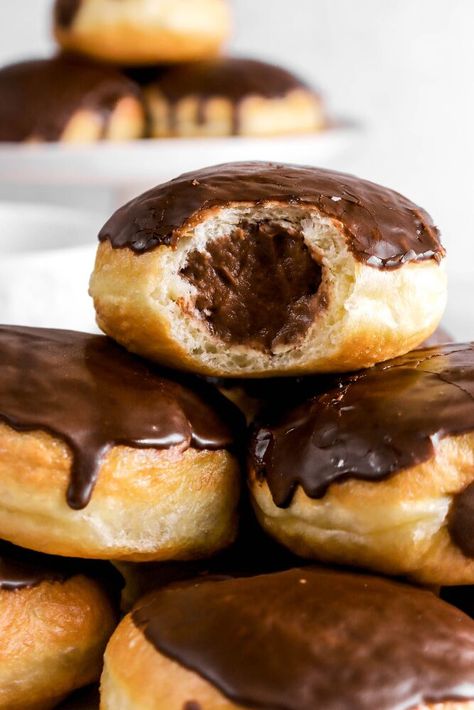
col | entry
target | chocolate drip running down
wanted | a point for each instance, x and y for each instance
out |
(65, 12)
(461, 521)
(38, 98)
(242, 307)
(366, 426)
(383, 229)
(314, 638)
(91, 393)
(231, 79)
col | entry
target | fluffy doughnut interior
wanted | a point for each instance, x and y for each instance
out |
(244, 267)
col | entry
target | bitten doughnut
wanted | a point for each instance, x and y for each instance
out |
(55, 620)
(103, 456)
(142, 31)
(296, 640)
(67, 99)
(377, 469)
(230, 96)
(258, 269)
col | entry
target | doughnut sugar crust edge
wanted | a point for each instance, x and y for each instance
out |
(183, 646)
(104, 457)
(136, 32)
(375, 469)
(259, 269)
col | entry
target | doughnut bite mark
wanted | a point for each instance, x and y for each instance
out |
(139, 32)
(55, 620)
(105, 456)
(70, 100)
(295, 640)
(229, 96)
(377, 469)
(258, 269)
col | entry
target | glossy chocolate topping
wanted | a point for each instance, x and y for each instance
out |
(382, 228)
(65, 12)
(38, 98)
(228, 78)
(20, 568)
(461, 520)
(242, 307)
(314, 638)
(368, 425)
(93, 394)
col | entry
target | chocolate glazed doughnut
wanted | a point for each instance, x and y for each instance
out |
(55, 620)
(68, 99)
(376, 469)
(259, 269)
(105, 456)
(296, 640)
(139, 32)
(229, 96)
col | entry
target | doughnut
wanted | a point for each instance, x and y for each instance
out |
(140, 32)
(259, 269)
(299, 639)
(104, 456)
(230, 96)
(376, 469)
(55, 620)
(252, 553)
(70, 100)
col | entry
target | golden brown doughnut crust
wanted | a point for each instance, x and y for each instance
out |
(260, 270)
(229, 96)
(68, 99)
(147, 504)
(52, 639)
(396, 526)
(136, 32)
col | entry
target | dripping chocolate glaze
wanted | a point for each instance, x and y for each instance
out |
(368, 425)
(461, 521)
(383, 229)
(231, 79)
(39, 97)
(21, 568)
(65, 12)
(91, 393)
(285, 641)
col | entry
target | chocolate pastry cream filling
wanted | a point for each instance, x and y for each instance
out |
(258, 286)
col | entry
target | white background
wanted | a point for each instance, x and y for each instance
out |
(404, 68)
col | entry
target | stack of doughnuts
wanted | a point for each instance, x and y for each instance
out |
(149, 69)
(321, 556)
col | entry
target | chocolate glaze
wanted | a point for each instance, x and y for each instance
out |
(21, 568)
(368, 425)
(229, 78)
(461, 520)
(38, 98)
(382, 228)
(242, 307)
(314, 638)
(93, 394)
(65, 12)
